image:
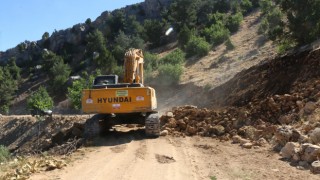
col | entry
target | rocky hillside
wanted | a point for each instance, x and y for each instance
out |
(72, 39)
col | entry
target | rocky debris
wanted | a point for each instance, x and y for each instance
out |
(247, 145)
(290, 149)
(315, 135)
(27, 167)
(315, 167)
(164, 133)
(163, 159)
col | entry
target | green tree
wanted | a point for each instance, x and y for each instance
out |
(14, 69)
(59, 75)
(40, 99)
(8, 86)
(183, 12)
(97, 51)
(153, 29)
(75, 91)
(303, 19)
(184, 35)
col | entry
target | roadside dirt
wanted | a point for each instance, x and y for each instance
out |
(128, 155)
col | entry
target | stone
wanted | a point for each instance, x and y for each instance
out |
(283, 135)
(182, 124)
(262, 142)
(289, 150)
(247, 145)
(315, 136)
(170, 114)
(309, 107)
(218, 130)
(164, 133)
(236, 139)
(315, 167)
(310, 152)
(191, 130)
(172, 123)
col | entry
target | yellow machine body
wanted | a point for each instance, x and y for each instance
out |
(119, 100)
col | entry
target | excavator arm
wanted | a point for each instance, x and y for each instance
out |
(133, 66)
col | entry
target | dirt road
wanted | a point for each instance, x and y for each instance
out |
(129, 155)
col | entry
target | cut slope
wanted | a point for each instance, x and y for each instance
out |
(221, 65)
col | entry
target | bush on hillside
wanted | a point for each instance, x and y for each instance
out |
(4, 154)
(40, 100)
(233, 22)
(169, 74)
(216, 34)
(176, 57)
(197, 46)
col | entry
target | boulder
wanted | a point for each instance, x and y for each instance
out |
(310, 152)
(247, 145)
(315, 167)
(309, 107)
(218, 130)
(283, 135)
(315, 136)
(182, 125)
(164, 133)
(236, 139)
(289, 150)
(191, 130)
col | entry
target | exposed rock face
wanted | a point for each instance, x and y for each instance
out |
(76, 35)
(153, 8)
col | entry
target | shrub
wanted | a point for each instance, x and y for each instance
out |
(75, 91)
(59, 74)
(169, 74)
(151, 61)
(40, 100)
(216, 34)
(197, 46)
(229, 45)
(233, 22)
(4, 153)
(175, 57)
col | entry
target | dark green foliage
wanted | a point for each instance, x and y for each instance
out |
(4, 154)
(88, 21)
(14, 69)
(169, 74)
(45, 36)
(132, 26)
(184, 36)
(233, 22)
(183, 12)
(216, 34)
(151, 61)
(40, 100)
(197, 46)
(272, 24)
(8, 86)
(246, 6)
(97, 51)
(116, 21)
(176, 57)
(75, 91)
(59, 75)
(123, 42)
(303, 19)
(153, 30)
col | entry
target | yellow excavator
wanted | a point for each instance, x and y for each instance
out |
(115, 103)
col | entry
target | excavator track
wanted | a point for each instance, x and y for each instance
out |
(92, 127)
(152, 125)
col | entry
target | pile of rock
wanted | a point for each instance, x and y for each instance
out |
(224, 124)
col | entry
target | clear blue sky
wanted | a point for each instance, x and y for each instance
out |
(22, 20)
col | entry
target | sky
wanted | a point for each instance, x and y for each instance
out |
(22, 20)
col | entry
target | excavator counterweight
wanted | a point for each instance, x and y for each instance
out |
(129, 102)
